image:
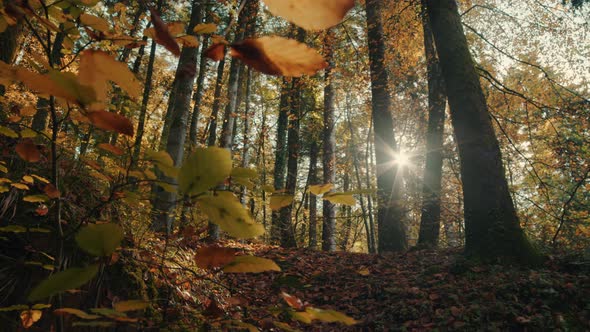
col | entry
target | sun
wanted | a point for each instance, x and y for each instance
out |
(402, 159)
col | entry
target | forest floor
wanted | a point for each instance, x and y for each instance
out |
(418, 290)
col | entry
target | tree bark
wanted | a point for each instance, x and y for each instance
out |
(312, 180)
(391, 229)
(329, 147)
(492, 228)
(430, 218)
(198, 95)
(165, 202)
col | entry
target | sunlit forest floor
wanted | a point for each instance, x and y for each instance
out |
(419, 290)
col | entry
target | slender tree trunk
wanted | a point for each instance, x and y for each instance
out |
(165, 202)
(391, 229)
(281, 154)
(492, 228)
(8, 47)
(312, 180)
(246, 130)
(329, 147)
(198, 95)
(430, 218)
(347, 213)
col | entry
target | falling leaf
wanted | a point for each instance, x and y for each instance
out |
(62, 281)
(278, 201)
(76, 312)
(320, 189)
(224, 209)
(311, 14)
(275, 55)
(251, 264)
(340, 198)
(98, 67)
(188, 41)
(111, 122)
(94, 22)
(205, 28)
(213, 256)
(204, 169)
(215, 52)
(29, 317)
(130, 305)
(28, 151)
(100, 239)
(163, 36)
(292, 301)
(111, 148)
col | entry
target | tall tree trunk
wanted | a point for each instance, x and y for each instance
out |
(391, 229)
(312, 180)
(165, 202)
(246, 130)
(8, 47)
(329, 147)
(280, 154)
(492, 228)
(430, 218)
(198, 95)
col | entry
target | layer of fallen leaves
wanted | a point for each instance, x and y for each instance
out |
(416, 291)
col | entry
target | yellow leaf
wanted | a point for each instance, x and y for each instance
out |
(204, 169)
(35, 198)
(311, 14)
(188, 41)
(329, 316)
(94, 22)
(29, 317)
(340, 198)
(28, 133)
(204, 28)
(279, 201)
(8, 132)
(224, 209)
(320, 189)
(40, 178)
(99, 66)
(251, 264)
(131, 305)
(28, 179)
(275, 55)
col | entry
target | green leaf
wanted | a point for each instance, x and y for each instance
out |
(13, 229)
(204, 169)
(62, 281)
(100, 239)
(171, 188)
(36, 198)
(40, 306)
(8, 132)
(320, 189)
(224, 209)
(329, 316)
(131, 305)
(279, 201)
(76, 312)
(251, 264)
(244, 176)
(163, 162)
(340, 198)
(16, 307)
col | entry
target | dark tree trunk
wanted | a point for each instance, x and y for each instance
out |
(430, 218)
(165, 202)
(329, 147)
(391, 229)
(492, 228)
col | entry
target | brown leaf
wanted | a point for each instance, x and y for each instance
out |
(51, 191)
(212, 257)
(28, 151)
(279, 56)
(311, 14)
(163, 35)
(111, 121)
(215, 52)
(111, 148)
(292, 301)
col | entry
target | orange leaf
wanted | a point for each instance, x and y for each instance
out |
(111, 121)
(51, 191)
(111, 148)
(215, 52)
(28, 151)
(292, 301)
(98, 67)
(311, 14)
(163, 36)
(279, 56)
(211, 257)
(29, 317)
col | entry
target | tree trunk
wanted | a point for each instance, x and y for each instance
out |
(8, 46)
(198, 95)
(430, 218)
(312, 180)
(492, 228)
(329, 147)
(165, 202)
(391, 229)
